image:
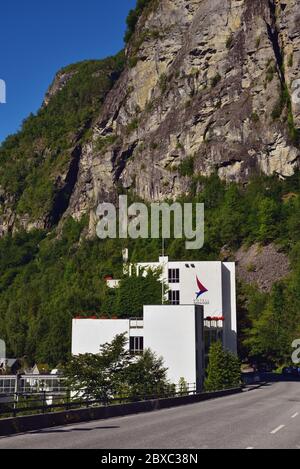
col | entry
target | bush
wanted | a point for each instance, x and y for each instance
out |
(229, 42)
(133, 18)
(215, 80)
(224, 369)
(186, 167)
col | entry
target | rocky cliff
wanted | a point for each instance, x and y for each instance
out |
(206, 87)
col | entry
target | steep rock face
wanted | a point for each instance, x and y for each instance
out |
(262, 266)
(209, 80)
(207, 87)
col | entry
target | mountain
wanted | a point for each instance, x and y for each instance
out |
(204, 86)
(198, 106)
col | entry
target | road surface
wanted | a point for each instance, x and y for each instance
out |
(268, 417)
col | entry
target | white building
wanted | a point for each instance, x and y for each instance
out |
(201, 308)
(209, 284)
(175, 333)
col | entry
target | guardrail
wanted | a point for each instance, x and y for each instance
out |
(45, 402)
(21, 424)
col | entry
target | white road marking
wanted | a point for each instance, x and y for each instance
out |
(276, 430)
(250, 447)
(295, 415)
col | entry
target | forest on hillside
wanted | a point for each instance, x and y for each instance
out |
(46, 279)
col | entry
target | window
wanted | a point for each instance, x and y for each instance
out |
(174, 297)
(173, 275)
(136, 345)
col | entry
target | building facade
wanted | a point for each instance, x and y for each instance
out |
(198, 307)
(208, 284)
(173, 332)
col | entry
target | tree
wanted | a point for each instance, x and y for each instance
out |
(147, 375)
(269, 338)
(224, 369)
(114, 372)
(268, 219)
(99, 376)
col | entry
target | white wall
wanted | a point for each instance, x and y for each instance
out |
(89, 334)
(220, 299)
(210, 275)
(169, 331)
(229, 306)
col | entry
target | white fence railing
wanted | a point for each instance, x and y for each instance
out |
(24, 384)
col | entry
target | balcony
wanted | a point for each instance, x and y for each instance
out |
(136, 323)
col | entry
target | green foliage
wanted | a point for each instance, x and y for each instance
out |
(273, 321)
(270, 73)
(99, 376)
(268, 218)
(186, 167)
(132, 126)
(127, 301)
(280, 105)
(285, 102)
(229, 42)
(146, 376)
(224, 369)
(114, 372)
(46, 280)
(104, 142)
(32, 160)
(132, 61)
(133, 18)
(163, 83)
(183, 386)
(255, 117)
(216, 80)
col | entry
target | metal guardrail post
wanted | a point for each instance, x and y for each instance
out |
(44, 401)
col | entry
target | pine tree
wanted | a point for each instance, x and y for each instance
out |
(224, 371)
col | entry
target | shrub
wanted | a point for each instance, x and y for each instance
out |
(229, 42)
(163, 83)
(224, 369)
(186, 167)
(255, 117)
(133, 18)
(215, 80)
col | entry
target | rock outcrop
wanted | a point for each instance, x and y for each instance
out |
(206, 81)
(262, 266)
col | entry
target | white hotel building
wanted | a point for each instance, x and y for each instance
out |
(201, 307)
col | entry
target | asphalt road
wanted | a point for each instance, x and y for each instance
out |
(268, 417)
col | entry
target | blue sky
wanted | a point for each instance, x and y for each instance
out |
(38, 37)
